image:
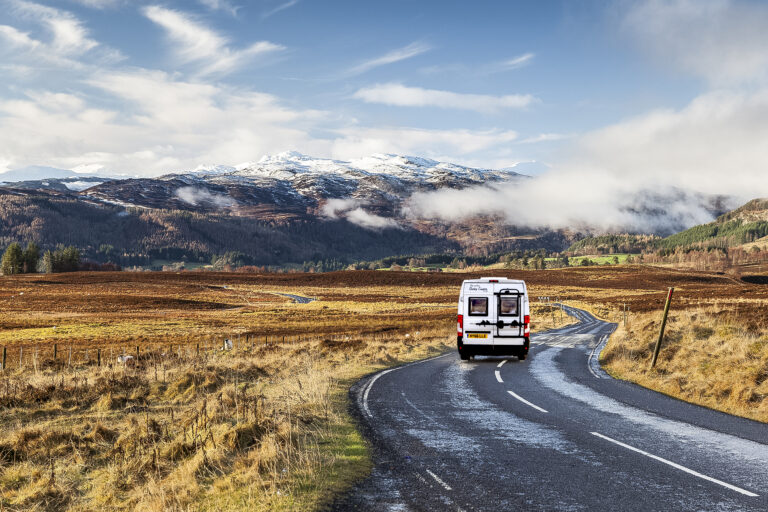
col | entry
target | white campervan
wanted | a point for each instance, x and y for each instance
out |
(494, 318)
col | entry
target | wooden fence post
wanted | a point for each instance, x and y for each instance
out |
(661, 331)
(98, 357)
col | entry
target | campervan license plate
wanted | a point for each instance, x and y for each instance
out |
(477, 335)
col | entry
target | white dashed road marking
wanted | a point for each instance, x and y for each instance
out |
(526, 402)
(498, 377)
(438, 480)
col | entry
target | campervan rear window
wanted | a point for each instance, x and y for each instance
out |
(508, 306)
(478, 306)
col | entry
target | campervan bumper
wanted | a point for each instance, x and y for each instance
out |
(515, 346)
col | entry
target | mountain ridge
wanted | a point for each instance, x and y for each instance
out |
(286, 208)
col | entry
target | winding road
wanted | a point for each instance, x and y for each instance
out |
(298, 299)
(554, 432)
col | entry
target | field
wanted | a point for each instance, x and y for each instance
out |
(260, 422)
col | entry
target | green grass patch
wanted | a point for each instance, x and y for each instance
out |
(599, 259)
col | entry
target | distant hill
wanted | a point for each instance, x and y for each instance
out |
(75, 183)
(137, 236)
(35, 172)
(612, 244)
(743, 225)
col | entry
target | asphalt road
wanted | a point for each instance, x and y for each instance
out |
(297, 298)
(553, 432)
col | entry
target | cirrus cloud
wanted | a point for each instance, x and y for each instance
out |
(196, 43)
(402, 96)
(406, 52)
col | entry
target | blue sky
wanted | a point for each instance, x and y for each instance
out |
(143, 87)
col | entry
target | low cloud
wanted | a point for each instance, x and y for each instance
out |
(659, 172)
(352, 211)
(197, 196)
(403, 96)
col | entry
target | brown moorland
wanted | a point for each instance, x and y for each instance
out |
(261, 422)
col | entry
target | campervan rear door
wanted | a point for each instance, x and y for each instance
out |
(508, 311)
(480, 313)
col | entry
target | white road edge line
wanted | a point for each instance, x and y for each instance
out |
(498, 377)
(676, 466)
(591, 355)
(437, 479)
(368, 387)
(526, 402)
(501, 364)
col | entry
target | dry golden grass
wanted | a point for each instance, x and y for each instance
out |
(237, 430)
(188, 425)
(709, 356)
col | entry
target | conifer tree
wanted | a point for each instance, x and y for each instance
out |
(13, 260)
(30, 258)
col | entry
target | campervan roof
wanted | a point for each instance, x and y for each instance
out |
(494, 280)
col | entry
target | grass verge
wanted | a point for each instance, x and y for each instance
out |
(710, 356)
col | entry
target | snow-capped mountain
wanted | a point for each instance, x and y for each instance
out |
(297, 182)
(291, 164)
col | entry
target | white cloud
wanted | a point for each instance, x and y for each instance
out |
(665, 169)
(196, 43)
(98, 4)
(69, 35)
(196, 196)
(18, 39)
(654, 172)
(403, 96)
(158, 124)
(85, 112)
(351, 210)
(406, 52)
(722, 41)
(68, 50)
(447, 145)
(543, 137)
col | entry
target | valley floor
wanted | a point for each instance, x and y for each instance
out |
(261, 421)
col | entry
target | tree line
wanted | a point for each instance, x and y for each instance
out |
(28, 261)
